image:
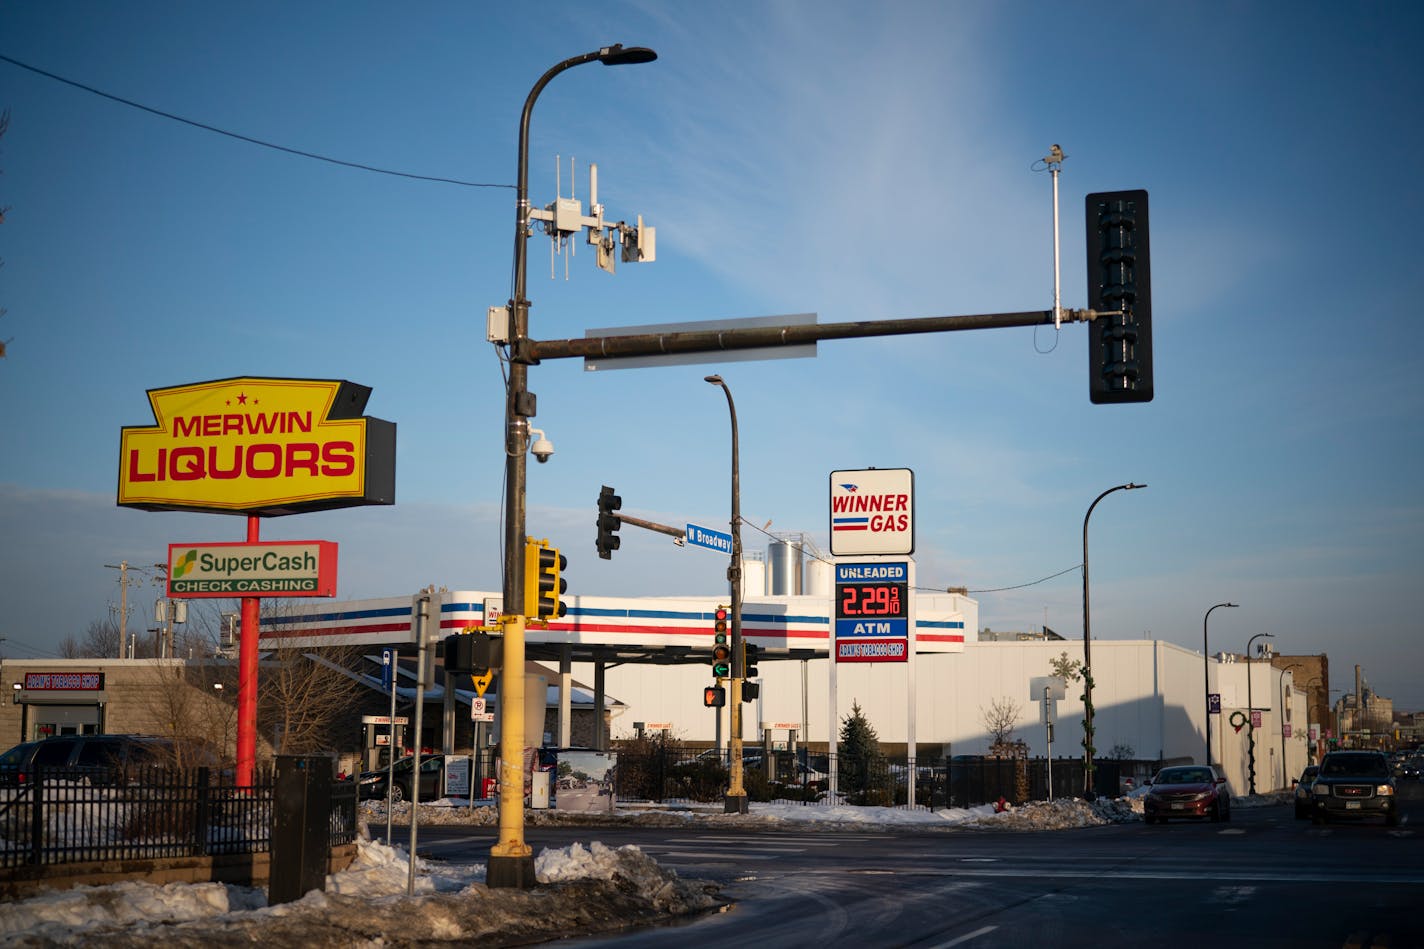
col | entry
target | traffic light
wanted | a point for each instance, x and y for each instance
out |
(1119, 279)
(608, 522)
(721, 651)
(750, 654)
(543, 580)
(750, 690)
(714, 696)
(474, 653)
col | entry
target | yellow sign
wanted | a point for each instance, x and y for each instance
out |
(258, 446)
(483, 682)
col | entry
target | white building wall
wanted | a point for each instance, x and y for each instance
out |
(1148, 697)
(1278, 759)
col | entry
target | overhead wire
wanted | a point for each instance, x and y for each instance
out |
(248, 138)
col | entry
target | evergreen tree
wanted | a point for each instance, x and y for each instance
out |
(859, 751)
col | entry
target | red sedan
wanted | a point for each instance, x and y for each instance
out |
(1187, 791)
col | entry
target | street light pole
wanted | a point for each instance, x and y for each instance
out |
(1251, 715)
(1206, 677)
(1088, 790)
(736, 799)
(511, 862)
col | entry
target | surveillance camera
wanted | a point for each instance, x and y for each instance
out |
(542, 447)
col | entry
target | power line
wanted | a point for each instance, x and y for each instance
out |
(247, 138)
(816, 556)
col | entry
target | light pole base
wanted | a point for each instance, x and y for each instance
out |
(515, 873)
(734, 804)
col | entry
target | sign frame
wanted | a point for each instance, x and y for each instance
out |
(872, 512)
(270, 577)
(885, 631)
(257, 446)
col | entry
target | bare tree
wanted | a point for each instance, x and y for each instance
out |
(999, 720)
(303, 697)
(100, 641)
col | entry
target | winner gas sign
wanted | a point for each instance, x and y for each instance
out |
(258, 446)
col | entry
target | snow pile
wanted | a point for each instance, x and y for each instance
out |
(1061, 814)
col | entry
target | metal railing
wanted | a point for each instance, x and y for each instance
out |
(70, 815)
(876, 781)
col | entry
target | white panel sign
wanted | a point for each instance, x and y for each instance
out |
(872, 512)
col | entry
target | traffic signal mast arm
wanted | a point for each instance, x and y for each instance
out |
(756, 337)
(677, 532)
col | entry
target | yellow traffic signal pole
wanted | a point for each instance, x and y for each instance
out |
(511, 855)
(510, 863)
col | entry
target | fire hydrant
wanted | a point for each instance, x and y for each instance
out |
(1001, 805)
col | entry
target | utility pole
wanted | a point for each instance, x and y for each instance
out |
(123, 567)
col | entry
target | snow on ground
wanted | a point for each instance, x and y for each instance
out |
(583, 889)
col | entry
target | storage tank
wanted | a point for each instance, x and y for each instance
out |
(753, 575)
(783, 559)
(820, 578)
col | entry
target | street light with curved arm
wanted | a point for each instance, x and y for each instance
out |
(1206, 676)
(736, 798)
(1088, 790)
(511, 861)
(1251, 714)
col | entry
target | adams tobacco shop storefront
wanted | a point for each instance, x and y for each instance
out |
(60, 703)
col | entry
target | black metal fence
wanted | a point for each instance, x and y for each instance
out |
(74, 815)
(671, 775)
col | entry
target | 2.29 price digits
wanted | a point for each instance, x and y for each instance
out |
(877, 599)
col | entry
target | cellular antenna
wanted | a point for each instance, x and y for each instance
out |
(1054, 161)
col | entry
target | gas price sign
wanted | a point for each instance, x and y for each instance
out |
(872, 611)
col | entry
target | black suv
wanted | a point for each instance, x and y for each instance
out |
(84, 754)
(1354, 784)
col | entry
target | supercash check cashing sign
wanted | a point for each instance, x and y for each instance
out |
(273, 568)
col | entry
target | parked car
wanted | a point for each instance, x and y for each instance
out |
(1302, 791)
(1354, 784)
(1186, 791)
(99, 758)
(372, 784)
(1413, 769)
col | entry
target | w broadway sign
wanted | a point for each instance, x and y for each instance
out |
(277, 568)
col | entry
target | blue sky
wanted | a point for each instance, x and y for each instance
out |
(794, 157)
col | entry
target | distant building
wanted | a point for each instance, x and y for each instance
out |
(987, 635)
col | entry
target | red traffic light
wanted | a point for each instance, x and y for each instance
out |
(714, 696)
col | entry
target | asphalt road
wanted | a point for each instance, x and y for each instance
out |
(1262, 880)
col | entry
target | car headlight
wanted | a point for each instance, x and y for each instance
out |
(1384, 790)
(373, 779)
(1320, 789)
(1202, 796)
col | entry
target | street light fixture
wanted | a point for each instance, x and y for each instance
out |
(1251, 714)
(511, 862)
(1206, 676)
(736, 798)
(1088, 791)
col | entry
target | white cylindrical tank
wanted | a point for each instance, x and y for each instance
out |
(820, 578)
(784, 568)
(753, 578)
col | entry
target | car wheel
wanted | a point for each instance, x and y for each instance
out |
(1317, 819)
(1391, 818)
(1216, 815)
(1300, 813)
(1226, 813)
(397, 794)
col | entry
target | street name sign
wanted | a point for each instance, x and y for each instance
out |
(706, 537)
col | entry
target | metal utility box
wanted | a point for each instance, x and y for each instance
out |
(301, 827)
